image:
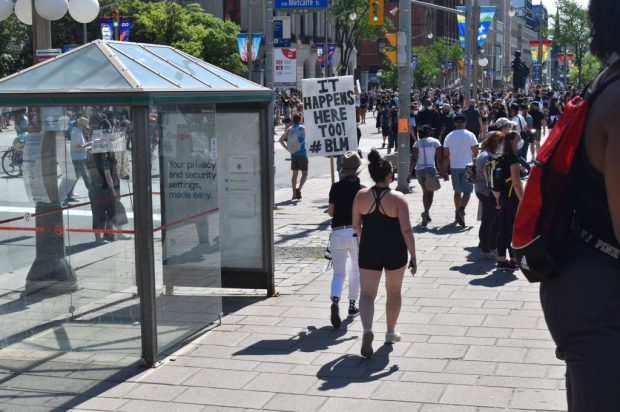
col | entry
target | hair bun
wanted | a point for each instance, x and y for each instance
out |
(374, 156)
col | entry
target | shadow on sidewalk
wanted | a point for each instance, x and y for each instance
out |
(342, 371)
(496, 279)
(448, 229)
(304, 232)
(309, 340)
(476, 264)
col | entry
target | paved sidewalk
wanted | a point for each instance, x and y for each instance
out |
(474, 338)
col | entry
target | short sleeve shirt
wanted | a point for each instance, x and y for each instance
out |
(460, 142)
(426, 150)
(341, 195)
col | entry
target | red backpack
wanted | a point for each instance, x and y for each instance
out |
(543, 222)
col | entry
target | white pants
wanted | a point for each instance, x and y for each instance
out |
(342, 245)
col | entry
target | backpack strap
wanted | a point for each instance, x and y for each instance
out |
(591, 97)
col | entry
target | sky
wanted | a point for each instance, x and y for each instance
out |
(550, 4)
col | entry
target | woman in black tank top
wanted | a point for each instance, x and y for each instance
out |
(582, 303)
(381, 218)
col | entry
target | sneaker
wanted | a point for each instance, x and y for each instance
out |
(335, 318)
(367, 344)
(353, 310)
(298, 193)
(459, 217)
(392, 337)
(71, 199)
(506, 264)
(489, 255)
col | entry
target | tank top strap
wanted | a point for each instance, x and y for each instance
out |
(378, 194)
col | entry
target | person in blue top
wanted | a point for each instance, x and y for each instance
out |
(294, 140)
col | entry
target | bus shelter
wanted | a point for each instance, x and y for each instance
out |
(136, 183)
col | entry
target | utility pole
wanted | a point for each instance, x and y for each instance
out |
(469, 35)
(249, 31)
(404, 90)
(475, 23)
(507, 37)
(540, 41)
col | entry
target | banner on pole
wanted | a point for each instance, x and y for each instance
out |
(414, 61)
(124, 32)
(534, 50)
(331, 53)
(486, 20)
(242, 43)
(320, 54)
(285, 66)
(107, 30)
(329, 115)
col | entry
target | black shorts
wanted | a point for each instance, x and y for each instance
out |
(375, 255)
(392, 140)
(385, 131)
(299, 163)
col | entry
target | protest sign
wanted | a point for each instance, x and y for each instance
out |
(329, 116)
(107, 141)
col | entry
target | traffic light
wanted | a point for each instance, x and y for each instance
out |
(375, 12)
(115, 17)
(392, 39)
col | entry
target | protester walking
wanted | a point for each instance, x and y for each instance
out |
(581, 303)
(381, 218)
(344, 242)
(425, 154)
(294, 140)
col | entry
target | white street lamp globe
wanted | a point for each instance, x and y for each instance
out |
(483, 61)
(23, 11)
(51, 9)
(6, 8)
(430, 35)
(352, 16)
(84, 11)
(512, 12)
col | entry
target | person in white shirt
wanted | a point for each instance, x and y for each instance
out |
(460, 148)
(425, 154)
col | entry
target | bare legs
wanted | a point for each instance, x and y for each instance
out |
(304, 177)
(461, 200)
(369, 280)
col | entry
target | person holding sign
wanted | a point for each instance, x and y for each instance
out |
(381, 218)
(294, 140)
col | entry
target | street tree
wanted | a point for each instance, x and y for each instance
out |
(572, 31)
(349, 31)
(590, 67)
(15, 46)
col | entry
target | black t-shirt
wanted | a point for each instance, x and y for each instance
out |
(507, 161)
(473, 119)
(447, 120)
(537, 117)
(107, 161)
(430, 117)
(341, 195)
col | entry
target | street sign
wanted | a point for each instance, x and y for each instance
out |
(46, 54)
(301, 4)
(537, 73)
(281, 31)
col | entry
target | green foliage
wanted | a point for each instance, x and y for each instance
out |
(589, 69)
(572, 30)
(430, 59)
(389, 75)
(349, 32)
(188, 28)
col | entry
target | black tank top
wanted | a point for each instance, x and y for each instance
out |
(377, 222)
(592, 209)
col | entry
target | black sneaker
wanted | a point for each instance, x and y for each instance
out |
(353, 310)
(506, 264)
(425, 219)
(336, 322)
(298, 193)
(367, 339)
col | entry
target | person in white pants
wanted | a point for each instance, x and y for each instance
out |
(344, 241)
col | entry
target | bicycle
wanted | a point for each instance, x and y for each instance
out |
(12, 161)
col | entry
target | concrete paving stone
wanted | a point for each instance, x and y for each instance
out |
(219, 378)
(232, 319)
(470, 367)
(496, 354)
(428, 293)
(480, 311)
(556, 372)
(259, 320)
(214, 351)
(476, 396)
(58, 385)
(22, 408)
(542, 357)
(367, 405)
(547, 400)
(447, 378)
(295, 403)
(296, 357)
(434, 309)
(281, 383)
(215, 363)
(166, 374)
(335, 369)
(522, 370)
(474, 294)
(526, 312)
(152, 406)
(305, 313)
(225, 397)
(268, 367)
(409, 391)
(502, 304)
(223, 338)
(488, 332)
(334, 387)
(532, 305)
(413, 317)
(541, 334)
(517, 382)
(513, 322)
(437, 350)
(462, 340)
(431, 330)
(447, 408)
(519, 296)
(155, 392)
(268, 341)
(451, 303)
(274, 330)
(458, 320)
(527, 343)
(99, 404)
